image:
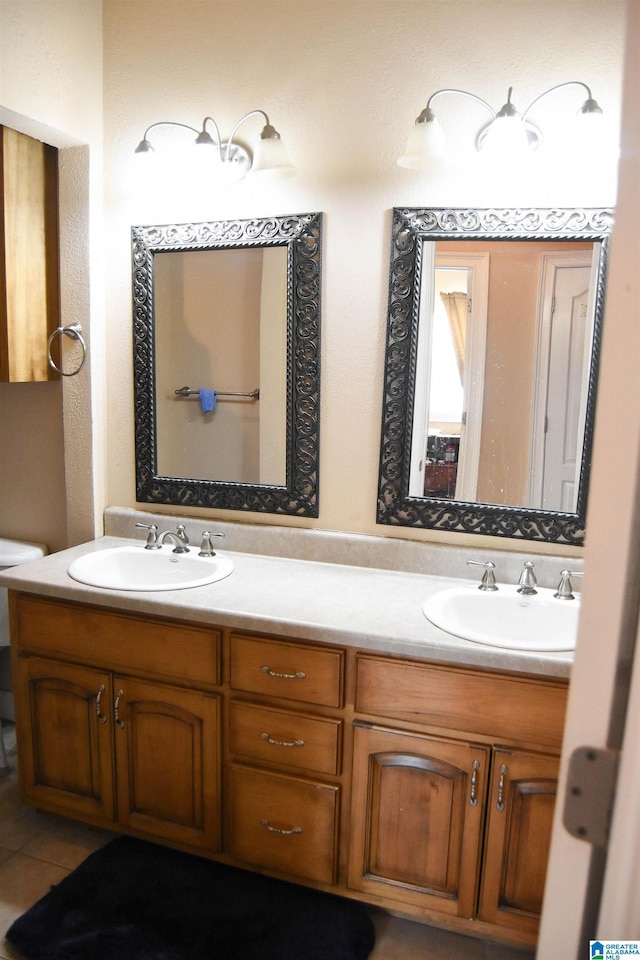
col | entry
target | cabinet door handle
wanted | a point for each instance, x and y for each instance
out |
(500, 801)
(283, 676)
(473, 797)
(116, 710)
(281, 743)
(100, 715)
(284, 833)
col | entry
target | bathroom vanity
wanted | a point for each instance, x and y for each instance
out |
(300, 719)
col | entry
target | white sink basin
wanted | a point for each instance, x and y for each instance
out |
(134, 568)
(506, 618)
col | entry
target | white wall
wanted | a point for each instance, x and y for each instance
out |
(52, 479)
(343, 82)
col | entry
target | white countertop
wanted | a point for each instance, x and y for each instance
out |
(374, 609)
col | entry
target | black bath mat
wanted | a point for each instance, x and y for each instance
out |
(134, 900)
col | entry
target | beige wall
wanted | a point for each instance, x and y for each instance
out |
(343, 82)
(52, 485)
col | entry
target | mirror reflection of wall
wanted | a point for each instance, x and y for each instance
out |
(220, 324)
(509, 326)
(535, 289)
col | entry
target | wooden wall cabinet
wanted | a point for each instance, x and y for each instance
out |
(29, 256)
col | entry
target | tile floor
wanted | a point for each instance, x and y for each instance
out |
(37, 851)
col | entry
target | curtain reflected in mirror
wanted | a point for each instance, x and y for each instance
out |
(492, 356)
(221, 329)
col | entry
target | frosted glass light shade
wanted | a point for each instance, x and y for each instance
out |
(590, 123)
(505, 137)
(271, 156)
(426, 143)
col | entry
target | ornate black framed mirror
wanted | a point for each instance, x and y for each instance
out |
(226, 325)
(493, 342)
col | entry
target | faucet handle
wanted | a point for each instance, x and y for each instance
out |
(488, 581)
(181, 534)
(152, 536)
(565, 588)
(206, 547)
(527, 583)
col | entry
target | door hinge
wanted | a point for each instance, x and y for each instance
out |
(591, 784)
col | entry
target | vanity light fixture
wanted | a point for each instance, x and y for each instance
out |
(508, 132)
(269, 156)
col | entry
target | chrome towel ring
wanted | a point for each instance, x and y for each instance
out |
(74, 330)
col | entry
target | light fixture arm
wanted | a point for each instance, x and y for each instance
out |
(252, 113)
(216, 128)
(168, 123)
(464, 93)
(590, 104)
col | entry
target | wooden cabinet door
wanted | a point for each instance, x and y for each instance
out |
(416, 818)
(168, 761)
(29, 256)
(65, 738)
(520, 817)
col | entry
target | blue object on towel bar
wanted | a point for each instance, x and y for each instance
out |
(207, 400)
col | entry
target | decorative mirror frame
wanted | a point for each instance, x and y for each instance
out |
(410, 227)
(301, 234)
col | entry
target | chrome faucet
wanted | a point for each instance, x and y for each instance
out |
(179, 538)
(155, 540)
(527, 583)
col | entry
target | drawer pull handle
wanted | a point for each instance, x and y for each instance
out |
(284, 833)
(100, 715)
(283, 676)
(116, 709)
(500, 803)
(473, 799)
(281, 743)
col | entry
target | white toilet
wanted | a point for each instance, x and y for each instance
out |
(12, 552)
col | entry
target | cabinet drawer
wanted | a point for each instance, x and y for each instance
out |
(516, 708)
(288, 739)
(292, 671)
(175, 651)
(284, 824)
